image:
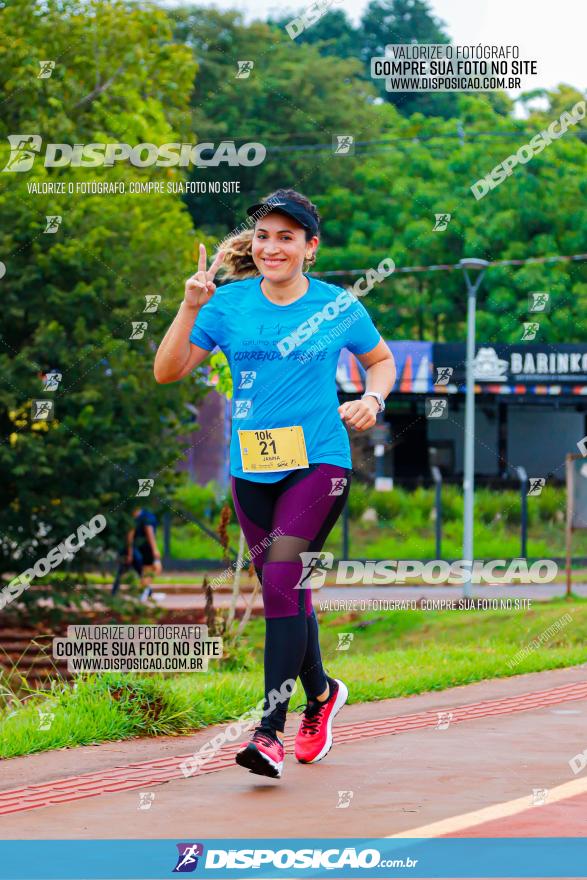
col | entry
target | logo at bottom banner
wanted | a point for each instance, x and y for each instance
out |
(187, 860)
(232, 859)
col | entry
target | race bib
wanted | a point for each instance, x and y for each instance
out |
(273, 449)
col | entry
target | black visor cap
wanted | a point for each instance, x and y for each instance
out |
(286, 206)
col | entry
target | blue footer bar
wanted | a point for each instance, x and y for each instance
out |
(293, 857)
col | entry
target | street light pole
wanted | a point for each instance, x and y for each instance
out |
(469, 462)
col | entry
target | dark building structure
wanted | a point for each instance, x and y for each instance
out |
(530, 410)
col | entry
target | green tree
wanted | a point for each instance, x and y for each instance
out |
(333, 34)
(69, 298)
(386, 22)
(293, 102)
(538, 211)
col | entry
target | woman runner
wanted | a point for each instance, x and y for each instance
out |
(281, 331)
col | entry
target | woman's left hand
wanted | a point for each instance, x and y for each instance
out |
(359, 414)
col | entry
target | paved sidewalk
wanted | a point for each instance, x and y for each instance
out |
(404, 773)
(372, 593)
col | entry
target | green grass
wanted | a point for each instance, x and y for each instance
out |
(409, 538)
(195, 578)
(405, 539)
(392, 654)
(405, 527)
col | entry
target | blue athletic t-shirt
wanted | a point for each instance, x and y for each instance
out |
(283, 362)
(142, 519)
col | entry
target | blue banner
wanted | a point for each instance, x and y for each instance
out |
(293, 857)
(413, 361)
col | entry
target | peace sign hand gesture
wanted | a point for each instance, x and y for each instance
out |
(200, 288)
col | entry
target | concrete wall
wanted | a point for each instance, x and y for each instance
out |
(209, 446)
(486, 439)
(539, 438)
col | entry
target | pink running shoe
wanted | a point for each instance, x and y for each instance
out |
(263, 754)
(314, 738)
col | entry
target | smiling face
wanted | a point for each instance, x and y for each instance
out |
(279, 247)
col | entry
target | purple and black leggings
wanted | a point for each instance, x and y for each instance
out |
(281, 520)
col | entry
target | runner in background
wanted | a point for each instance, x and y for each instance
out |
(140, 552)
(290, 460)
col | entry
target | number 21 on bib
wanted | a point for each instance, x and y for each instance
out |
(273, 449)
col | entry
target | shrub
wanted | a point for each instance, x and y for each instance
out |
(452, 504)
(389, 505)
(359, 499)
(422, 500)
(204, 502)
(548, 503)
(491, 507)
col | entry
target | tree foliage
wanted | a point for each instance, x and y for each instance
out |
(142, 74)
(69, 298)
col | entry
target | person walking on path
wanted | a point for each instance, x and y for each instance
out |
(141, 552)
(282, 331)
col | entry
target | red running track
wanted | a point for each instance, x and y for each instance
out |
(156, 772)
